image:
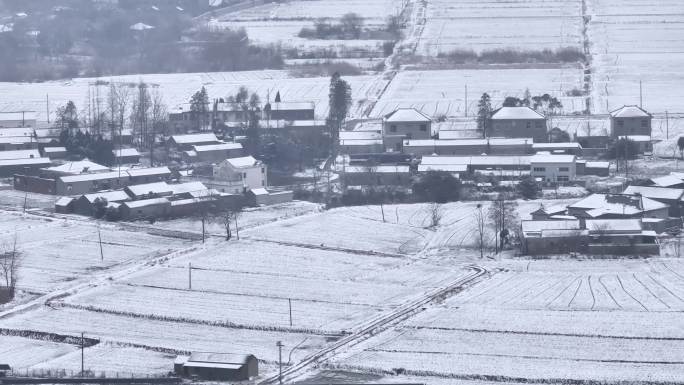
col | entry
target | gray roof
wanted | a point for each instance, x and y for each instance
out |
(505, 113)
(630, 112)
(407, 115)
(220, 358)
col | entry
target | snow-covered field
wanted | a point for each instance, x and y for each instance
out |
(636, 41)
(530, 25)
(442, 92)
(601, 320)
(280, 23)
(178, 88)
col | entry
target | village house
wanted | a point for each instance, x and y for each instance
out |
(630, 121)
(553, 168)
(644, 143)
(241, 174)
(360, 142)
(402, 124)
(126, 156)
(186, 142)
(618, 206)
(502, 167)
(212, 153)
(548, 237)
(84, 204)
(30, 166)
(55, 152)
(145, 209)
(217, 366)
(669, 196)
(517, 122)
(17, 139)
(489, 146)
(381, 175)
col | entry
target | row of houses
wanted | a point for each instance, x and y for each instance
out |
(628, 223)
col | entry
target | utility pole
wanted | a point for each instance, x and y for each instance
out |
(641, 96)
(99, 237)
(82, 355)
(189, 276)
(466, 100)
(280, 345)
(289, 301)
(667, 125)
(47, 107)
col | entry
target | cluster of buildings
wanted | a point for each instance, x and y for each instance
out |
(628, 223)
(516, 142)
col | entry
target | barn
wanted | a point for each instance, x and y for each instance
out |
(218, 366)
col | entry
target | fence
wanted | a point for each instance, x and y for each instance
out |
(63, 376)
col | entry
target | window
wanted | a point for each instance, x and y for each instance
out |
(423, 127)
(620, 123)
(263, 170)
(393, 128)
(244, 175)
(563, 178)
(528, 125)
(539, 169)
(644, 123)
(564, 169)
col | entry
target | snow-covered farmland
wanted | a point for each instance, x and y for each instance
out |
(58, 252)
(634, 41)
(600, 320)
(442, 92)
(178, 88)
(531, 25)
(21, 353)
(280, 23)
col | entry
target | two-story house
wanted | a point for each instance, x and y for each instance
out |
(517, 122)
(404, 123)
(241, 174)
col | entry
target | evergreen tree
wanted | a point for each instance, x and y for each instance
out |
(339, 103)
(67, 117)
(484, 112)
(199, 105)
(528, 187)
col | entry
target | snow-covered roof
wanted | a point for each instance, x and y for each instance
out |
(52, 150)
(25, 162)
(182, 188)
(150, 188)
(538, 226)
(217, 147)
(443, 167)
(406, 115)
(636, 138)
(360, 135)
(110, 196)
(548, 158)
(291, 106)
(360, 142)
(146, 202)
(600, 204)
(457, 134)
(78, 167)
(140, 27)
(630, 112)
(17, 132)
(133, 172)
(667, 181)
(655, 192)
(259, 191)
(599, 164)
(557, 146)
(125, 152)
(468, 142)
(506, 113)
(242, 162)
(382, 169)
(19, 154)
(194, 138)
(64, 201)
(483, 160)
(91, 177)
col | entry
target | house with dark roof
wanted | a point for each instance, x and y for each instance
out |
(630, 121)
(402, 124)
(517, 122)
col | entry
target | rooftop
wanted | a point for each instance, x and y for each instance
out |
(194, 138)
(548, 158)
(630, 112)
(242, 162)
(655, 192)
(50, 150)
(443, 167)
(360, 135)
(119, 152)
(218, 147)
(376, 169)
(406, 115)
(25, 162)
(146, 202)
(505, 113)
(19, 154)
(133, 172)
(538, 226)
(600, 204)
(78, 167)
(667, 181)
(150, 188)
(482, 160)
(636, 138)
(469, 142)
(92, 177)
(553, 146)
(110, 196)
(614, 225)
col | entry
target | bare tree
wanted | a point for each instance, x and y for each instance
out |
(502, 213)
(435, 214)
(481, 228)
(158, 119)
(10, 260)
(374, 182)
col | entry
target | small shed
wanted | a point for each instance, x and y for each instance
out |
(65, 205)
(217, 366)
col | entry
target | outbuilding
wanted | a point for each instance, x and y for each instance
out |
(217, 366)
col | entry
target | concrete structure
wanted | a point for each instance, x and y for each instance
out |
(126, 156)
(489, 146)
(383, 175)
(630, 120)
(18, 119)
(402, 124)
(517, 122)
(217, 366)
(553, 168)
(246, 172)
(617, 206)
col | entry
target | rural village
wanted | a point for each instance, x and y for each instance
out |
(342, 192)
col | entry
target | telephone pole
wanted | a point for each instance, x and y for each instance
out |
(641, 95)
(99, 237)
(466, 100)
(280, 345)
(82, 355)
(189, 276)
(289, 301)
(667, 125)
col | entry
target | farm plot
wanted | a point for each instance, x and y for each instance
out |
(57, 252)
(635, 41)
(22, 353)
(351, 232)
(442, 92)
(490, 25)
(178, 88)
(280, 23)
(537, 321)
(169, 335)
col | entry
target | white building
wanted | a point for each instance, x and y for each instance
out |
(553, 168)
(244, 173)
